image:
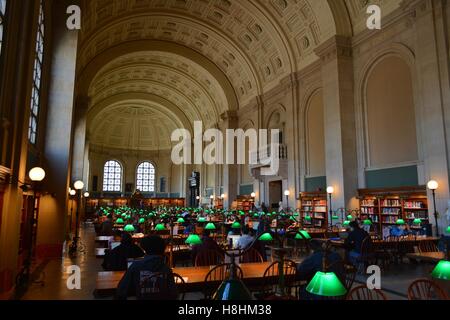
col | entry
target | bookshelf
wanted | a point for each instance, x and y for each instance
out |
(244, 203)
(385, 206)
(314, 205)
(92, 203)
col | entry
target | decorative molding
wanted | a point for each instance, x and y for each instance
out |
(334, 48)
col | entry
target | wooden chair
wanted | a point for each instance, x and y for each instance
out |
(209, 258)
(428, 246)
(367, 255)
(180, 283)
(251, 255)
(364, 293)
(424, 289)
(216, 275)
(271, 273)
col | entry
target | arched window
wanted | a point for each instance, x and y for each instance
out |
(145, 177)
(2, 22)
(37, 77)
(112, 176)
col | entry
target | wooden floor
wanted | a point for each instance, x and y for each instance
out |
(395, 281)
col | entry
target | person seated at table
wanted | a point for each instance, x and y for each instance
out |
(106, 228)
(208, 243)
(397, 231)
(117, 259)
(246, 240)
(354, 241)
(136, 280)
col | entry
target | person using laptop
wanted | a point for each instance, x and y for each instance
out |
(150, 278)
(117, 258)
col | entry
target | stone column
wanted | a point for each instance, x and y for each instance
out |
(339, 113)
(229, 120)
(432, 69)
(79, 138)
(57, 150)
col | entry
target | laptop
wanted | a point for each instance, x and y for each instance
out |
(115, 244)
(131, 261)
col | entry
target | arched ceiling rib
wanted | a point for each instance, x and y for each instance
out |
(167, 75)
(255, 43)
(133, 125)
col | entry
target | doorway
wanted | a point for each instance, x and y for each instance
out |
(275, 194)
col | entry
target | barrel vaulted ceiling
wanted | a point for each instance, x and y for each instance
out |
(248, 46)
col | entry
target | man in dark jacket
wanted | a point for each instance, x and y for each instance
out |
(354, 241)
(150, 278)
(116, 259)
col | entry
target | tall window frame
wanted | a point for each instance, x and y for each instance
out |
(146, 177)
(112, 176)
(2, 23)
(37, 78)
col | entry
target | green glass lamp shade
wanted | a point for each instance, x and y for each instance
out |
(255, 215)
(201, 220)
(232, 290)
(442, 270)
(346, 223)
(120, 221)
(241, 213)
(296, 214)
(308, 218)
(266, 237)
(128, 217)
(326, 284)
(335, 217)
(448, 229)
(124, 215)
(160, 227)
(141, 220)
(193, 239)
(210, 226)
(417, 222)
(181, 220)
(305, 234)
(236, 225)
(400, 222)
(367, 222)
(129, 228)
(349, 217)
(298, 236)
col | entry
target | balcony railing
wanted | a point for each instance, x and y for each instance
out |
(265, 154)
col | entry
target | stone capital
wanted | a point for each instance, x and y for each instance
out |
(334, 48)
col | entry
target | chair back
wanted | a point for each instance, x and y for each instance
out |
(155, 286)
(424, 289)
(216, 275)
(180, 283)
(271, 273)
(364, 293)
(428, 246)
(251, 255)
(366, 247)
(209, 258)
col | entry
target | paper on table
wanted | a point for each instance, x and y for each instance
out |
(184, 278)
